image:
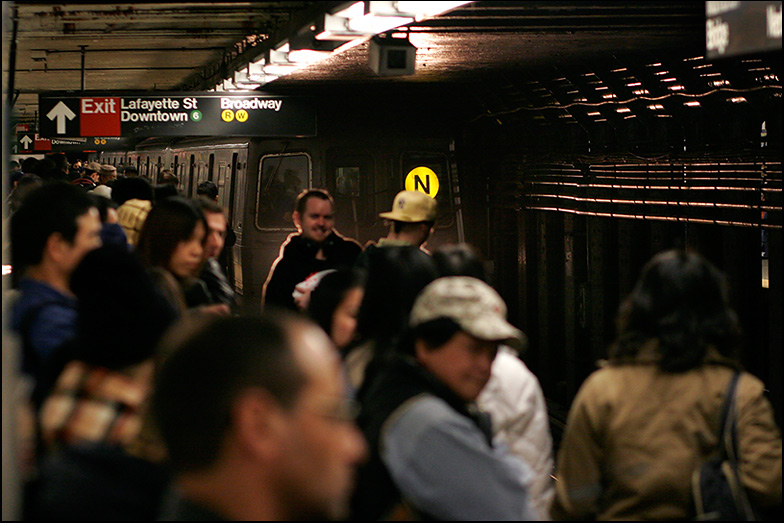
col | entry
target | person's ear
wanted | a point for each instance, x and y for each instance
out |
(296, 217)
(56, 247)
(259, 423)
(421, 351)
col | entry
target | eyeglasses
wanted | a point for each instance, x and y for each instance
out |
(344, 410)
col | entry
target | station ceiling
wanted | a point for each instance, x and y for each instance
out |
(192, 45)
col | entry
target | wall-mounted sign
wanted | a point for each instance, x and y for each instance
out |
(423, 179)
(734, 28)
(30, 142)
(137, 115)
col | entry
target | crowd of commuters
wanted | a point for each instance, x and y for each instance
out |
(377, 383)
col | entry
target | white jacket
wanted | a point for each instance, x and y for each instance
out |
(514, 399)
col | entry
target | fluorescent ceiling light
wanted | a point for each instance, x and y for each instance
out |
(372, 24)
(421, 10)
(307, 56)
(281, 69)
(355, 10)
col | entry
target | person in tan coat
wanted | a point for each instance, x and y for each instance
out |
(640, 425)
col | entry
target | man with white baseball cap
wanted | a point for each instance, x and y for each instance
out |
(431, 450)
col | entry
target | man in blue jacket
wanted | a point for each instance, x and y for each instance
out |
(431, 450)
(50, 234)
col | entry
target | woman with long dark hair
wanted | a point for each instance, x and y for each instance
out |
(171, 245)
(639, 427)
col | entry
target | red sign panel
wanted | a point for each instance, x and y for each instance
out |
(99, 117)
(42, 144)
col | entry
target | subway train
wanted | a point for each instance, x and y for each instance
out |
(259, 178)
(566, 180)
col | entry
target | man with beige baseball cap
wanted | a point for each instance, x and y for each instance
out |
(431, 449)
(412, 218)
(413, 215)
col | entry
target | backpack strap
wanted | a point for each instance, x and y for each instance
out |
(727, 426)
(729, 448)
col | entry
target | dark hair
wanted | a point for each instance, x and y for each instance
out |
(60, 161)
(121, 314)
(130, 169)
(209, 206)
(307, 194)
(459, 260)
(28, 165)
(166, 177)
(434, 333)
(167, 190)
(52, 208)
(396, 274)
(103, 204)
(330, 292)
(25, 186)
(205, 373)
(681, 301)
(399, 226)
(169, 222)
(44, 167)
(125, 189)
(208, 189)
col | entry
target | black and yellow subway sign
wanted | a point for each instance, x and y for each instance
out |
(74, 114)
(423, 179)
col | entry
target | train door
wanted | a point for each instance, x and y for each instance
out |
(351, 180)
(233, 200)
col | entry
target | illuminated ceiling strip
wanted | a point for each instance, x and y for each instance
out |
(352, 24)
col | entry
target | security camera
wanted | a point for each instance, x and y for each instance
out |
(392, 56)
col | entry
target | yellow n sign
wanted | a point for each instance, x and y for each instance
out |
(422, 179)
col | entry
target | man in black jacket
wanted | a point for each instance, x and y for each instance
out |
(314, 248)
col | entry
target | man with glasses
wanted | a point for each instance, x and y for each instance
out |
(253, 414)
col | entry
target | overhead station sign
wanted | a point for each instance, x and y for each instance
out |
(734, 28)
(138, 115)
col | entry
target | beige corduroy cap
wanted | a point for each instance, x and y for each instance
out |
(471, 303)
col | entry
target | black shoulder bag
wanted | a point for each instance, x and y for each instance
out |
(716, 487)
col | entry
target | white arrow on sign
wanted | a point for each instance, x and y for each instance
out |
(61, 112)
(26, 141)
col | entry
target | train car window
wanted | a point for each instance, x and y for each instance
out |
(147, 169)
(347, 181)
(176, 165)
(211, 168)
(351, 180)
(282, 178)
(438, 163)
